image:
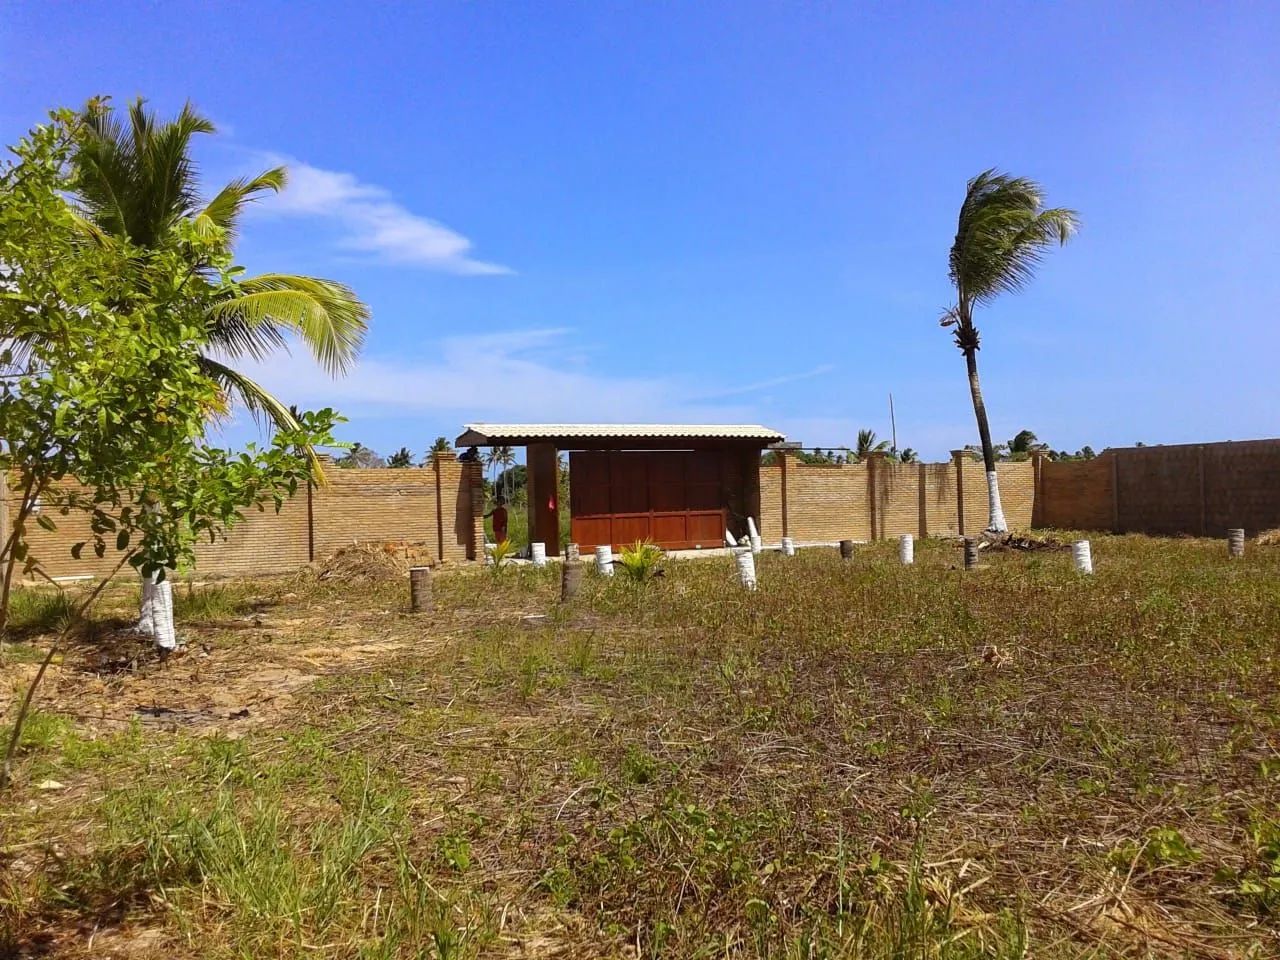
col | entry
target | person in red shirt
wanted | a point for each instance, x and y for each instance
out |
(499, 516)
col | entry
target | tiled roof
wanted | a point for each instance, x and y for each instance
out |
(486, 434)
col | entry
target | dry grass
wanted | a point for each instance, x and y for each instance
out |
(858, 759)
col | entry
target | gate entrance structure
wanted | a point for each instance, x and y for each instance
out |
(680, 486)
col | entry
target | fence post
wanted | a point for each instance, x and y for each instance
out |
(570, 579)
(1235, 542)
(420, 590)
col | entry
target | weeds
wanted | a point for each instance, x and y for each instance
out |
(36, 610)
(858, 759)
(210, 601)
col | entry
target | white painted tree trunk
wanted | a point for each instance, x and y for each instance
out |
(997, 524)
(155, 618)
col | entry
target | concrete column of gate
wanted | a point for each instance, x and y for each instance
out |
(544, 496)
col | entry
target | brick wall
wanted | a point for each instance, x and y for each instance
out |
(432, 505)
(880, 498)
(1198, 489)
(1076, 494)
(938, 500)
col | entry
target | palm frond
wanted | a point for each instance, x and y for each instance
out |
(138, 180)
(224, 209)
(265, 409)
(327, 316)
(1001, 235)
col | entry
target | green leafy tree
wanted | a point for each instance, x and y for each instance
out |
(907, 455)
(401, 458)
(103, 396)
(135, 180)
(1002, 233)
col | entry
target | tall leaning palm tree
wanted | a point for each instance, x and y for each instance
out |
(1003, 232)
(136, 179)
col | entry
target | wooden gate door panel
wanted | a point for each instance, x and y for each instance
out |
(627, 529)
(707, 528)
(670, 530)
(674, 499)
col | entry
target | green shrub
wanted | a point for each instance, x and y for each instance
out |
(641, 560)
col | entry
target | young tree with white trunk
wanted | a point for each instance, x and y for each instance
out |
(134, 181)
(1003, 231)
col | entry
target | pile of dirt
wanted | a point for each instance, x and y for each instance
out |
(366, 563)
(1024, 543)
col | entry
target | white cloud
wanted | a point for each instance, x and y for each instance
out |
(373, 222)
(528, 375)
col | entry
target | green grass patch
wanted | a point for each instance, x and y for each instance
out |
(856, 759)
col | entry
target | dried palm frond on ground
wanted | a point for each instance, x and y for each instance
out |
(364, 562)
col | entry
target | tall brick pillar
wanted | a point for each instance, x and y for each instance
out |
(958, 457)
(1037, 504)
(785, 458)
(877, 462)
(473, 478)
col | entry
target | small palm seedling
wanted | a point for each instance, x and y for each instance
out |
(640, 561)
(501, 552)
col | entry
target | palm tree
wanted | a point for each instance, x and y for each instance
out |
(868, 445)
(441, 445)
(401, 458)
(136, 180)
(503, 457)
(1002, 233)
(908, 456)
(358, 455)
(1024, 441)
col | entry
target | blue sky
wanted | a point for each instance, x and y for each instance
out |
(732, 211)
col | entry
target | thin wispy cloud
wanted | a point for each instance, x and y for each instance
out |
(518, 375)
(373, 222)
(759, 385)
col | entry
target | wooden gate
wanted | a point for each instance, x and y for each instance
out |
(674, 499)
